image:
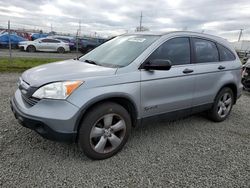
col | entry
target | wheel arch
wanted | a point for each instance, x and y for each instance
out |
(61, 48)
(123, 100)
(233, 87)
(27, 47)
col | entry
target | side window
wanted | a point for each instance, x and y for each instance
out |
(176, 50)
(50, 41)
(45, 40)
(205, 51)
(55, 41)
(225, 54)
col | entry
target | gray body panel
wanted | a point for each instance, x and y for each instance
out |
(151, 92)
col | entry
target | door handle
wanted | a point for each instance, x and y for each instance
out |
(221, 67)
(187, 71)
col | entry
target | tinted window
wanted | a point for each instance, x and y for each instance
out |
(50, 41)
(205, 51)
(64, 39)
(176, 50)
(225, 54)
(45, 40)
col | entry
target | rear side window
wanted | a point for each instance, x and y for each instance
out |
(225, 54)
(54, 41)
(45, 40)
(205, 51)
(176, 50)
(50, 41)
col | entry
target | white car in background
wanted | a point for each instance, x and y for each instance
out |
(45, 45)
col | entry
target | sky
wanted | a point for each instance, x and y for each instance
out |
(105, 18)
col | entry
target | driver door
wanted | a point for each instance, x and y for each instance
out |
(165, 91)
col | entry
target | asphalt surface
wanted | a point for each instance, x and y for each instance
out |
(18, 53)
(191, 152)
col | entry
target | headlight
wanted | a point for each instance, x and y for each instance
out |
(57, 90)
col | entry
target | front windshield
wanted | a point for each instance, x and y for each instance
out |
(120, 51)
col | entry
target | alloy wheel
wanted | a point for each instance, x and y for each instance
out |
(224, 105)
(107, 133)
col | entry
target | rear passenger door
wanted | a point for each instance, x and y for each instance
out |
(53, 44)
(44, 45)
(210, 68)
(166, 91)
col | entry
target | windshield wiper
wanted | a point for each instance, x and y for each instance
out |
(90, 62)
(78, 57)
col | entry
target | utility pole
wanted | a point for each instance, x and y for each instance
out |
(10, 58)
(240, 35)
(140, 28)
(79, 33)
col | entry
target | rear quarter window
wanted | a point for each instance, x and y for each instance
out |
(225, 54)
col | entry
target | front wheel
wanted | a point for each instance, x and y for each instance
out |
(61, 50)
(222, 105)
(31, 48)
(104, 130)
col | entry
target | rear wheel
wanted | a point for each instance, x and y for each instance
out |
(104, 130)
(31, 48)
(61, 50)
(222, 105)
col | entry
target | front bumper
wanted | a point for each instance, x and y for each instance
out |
(52, 119)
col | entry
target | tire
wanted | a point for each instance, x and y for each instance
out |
(61, 50)
(31, 48)
(104, 130)
(222, 105)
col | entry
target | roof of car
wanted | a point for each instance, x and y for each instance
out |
(159, 33)
(190, 33)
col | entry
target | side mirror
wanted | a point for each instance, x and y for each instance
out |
(157, 64)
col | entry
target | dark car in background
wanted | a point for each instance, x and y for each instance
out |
(88, 44)
(35, 36)
(246, 75)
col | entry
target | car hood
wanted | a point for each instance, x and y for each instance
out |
(27, 42)
(64, 70)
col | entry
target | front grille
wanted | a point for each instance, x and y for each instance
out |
(31, 100)
(26, 92)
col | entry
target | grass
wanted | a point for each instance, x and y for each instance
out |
(22, 64)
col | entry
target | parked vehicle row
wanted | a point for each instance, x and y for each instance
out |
(59, 44)
(83, 44)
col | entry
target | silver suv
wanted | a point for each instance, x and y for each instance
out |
(96, 99)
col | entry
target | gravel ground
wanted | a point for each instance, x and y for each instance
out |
(192, 152)
(18, 53)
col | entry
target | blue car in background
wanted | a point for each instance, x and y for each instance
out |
(35, 36)
(14, 40)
